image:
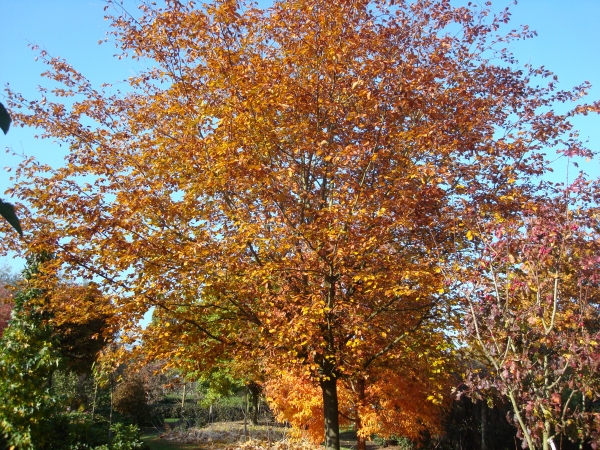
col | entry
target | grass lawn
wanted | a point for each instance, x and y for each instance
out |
(151, 438)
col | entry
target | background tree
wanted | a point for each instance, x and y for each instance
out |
(28, 357)
(474, 424)
(130, 398)
(533, 316)
(6, 306)
(74, 391)
(156, 382)
(219, 382)
(291, 185)
(37, 350)
(7, 280)
(81, 321)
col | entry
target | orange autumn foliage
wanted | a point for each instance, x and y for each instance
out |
(79, 315)
(403, 398)
(78, 304)
(401, 401)
(297, 399)
(291, 185)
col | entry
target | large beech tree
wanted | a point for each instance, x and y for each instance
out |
(289, 185)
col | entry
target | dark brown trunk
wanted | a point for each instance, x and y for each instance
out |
(246, 416)
(330, 411)
(254, 410)
(255, 393)
(329, 378)
(361, 442)
(483, 407)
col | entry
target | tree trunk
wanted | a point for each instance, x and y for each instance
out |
(524, 429)
(330, 411)
(547, 443)
(246, 417)
(483, 407)
(361, 441)
(255, 409)
(95, 399)
(110, 415)
(255, 393)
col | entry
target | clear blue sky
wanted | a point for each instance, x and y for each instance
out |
(568, 43)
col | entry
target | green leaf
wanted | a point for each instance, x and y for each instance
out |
(8, 212)
(5, 119)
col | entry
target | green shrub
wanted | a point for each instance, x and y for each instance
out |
(28, 357)
(127, 437)
(400, 442)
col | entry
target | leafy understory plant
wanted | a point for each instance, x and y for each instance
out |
(533, 317)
